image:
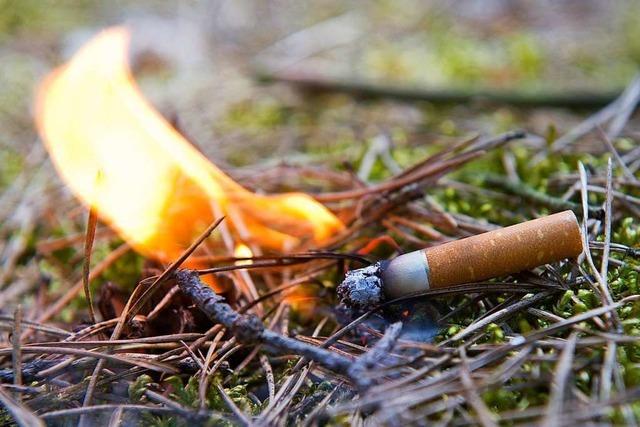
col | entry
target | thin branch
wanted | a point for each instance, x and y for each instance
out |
(92, 222)
(559, 384)
(486, 418)
(17, 350)
(248, 328)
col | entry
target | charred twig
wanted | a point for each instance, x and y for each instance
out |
(30, 371)
(249, 329)
(379, 351)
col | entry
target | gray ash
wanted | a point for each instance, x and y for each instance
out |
(362, 289)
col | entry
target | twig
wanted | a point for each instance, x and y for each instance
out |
(380, 350)
(603, 286)
(147, 364)
(132, 408)
(487, 144)
(157, 309)
(240, 416)
(630, 98)
(607, 141)
(499, 316)
(396, 184)
(487, 419)
(268, 372)
(559, 385)
(606, 373)
(92, 221)
(592, 122)
(29, 371)
(248, 328)
(378, 148)
(608, 211)
(115, 420)
(17, 351)
(336, 31)
(409, 393)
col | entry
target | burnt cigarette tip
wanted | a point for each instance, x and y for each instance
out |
(363, 288)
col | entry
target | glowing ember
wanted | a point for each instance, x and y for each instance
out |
(119, 155)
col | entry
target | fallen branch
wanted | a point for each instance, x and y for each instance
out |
(312, 82)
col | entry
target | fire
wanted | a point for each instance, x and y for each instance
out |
(118, 155)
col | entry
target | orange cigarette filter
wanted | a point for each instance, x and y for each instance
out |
(493, 254)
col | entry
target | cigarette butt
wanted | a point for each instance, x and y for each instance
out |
(493, 254)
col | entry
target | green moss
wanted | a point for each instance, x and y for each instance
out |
(125, 271)
(188, 394)
(627, 233)
(588, 298)
(139, 387)
(495, 333)
(5, 418)
(631, 374)
(500, 399)
(524, 326)
(254, 116)
(38, 15)
(631, 33)
(624, 281)
(525, 55)
(12, 163)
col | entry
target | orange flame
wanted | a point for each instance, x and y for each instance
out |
(120, 156)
